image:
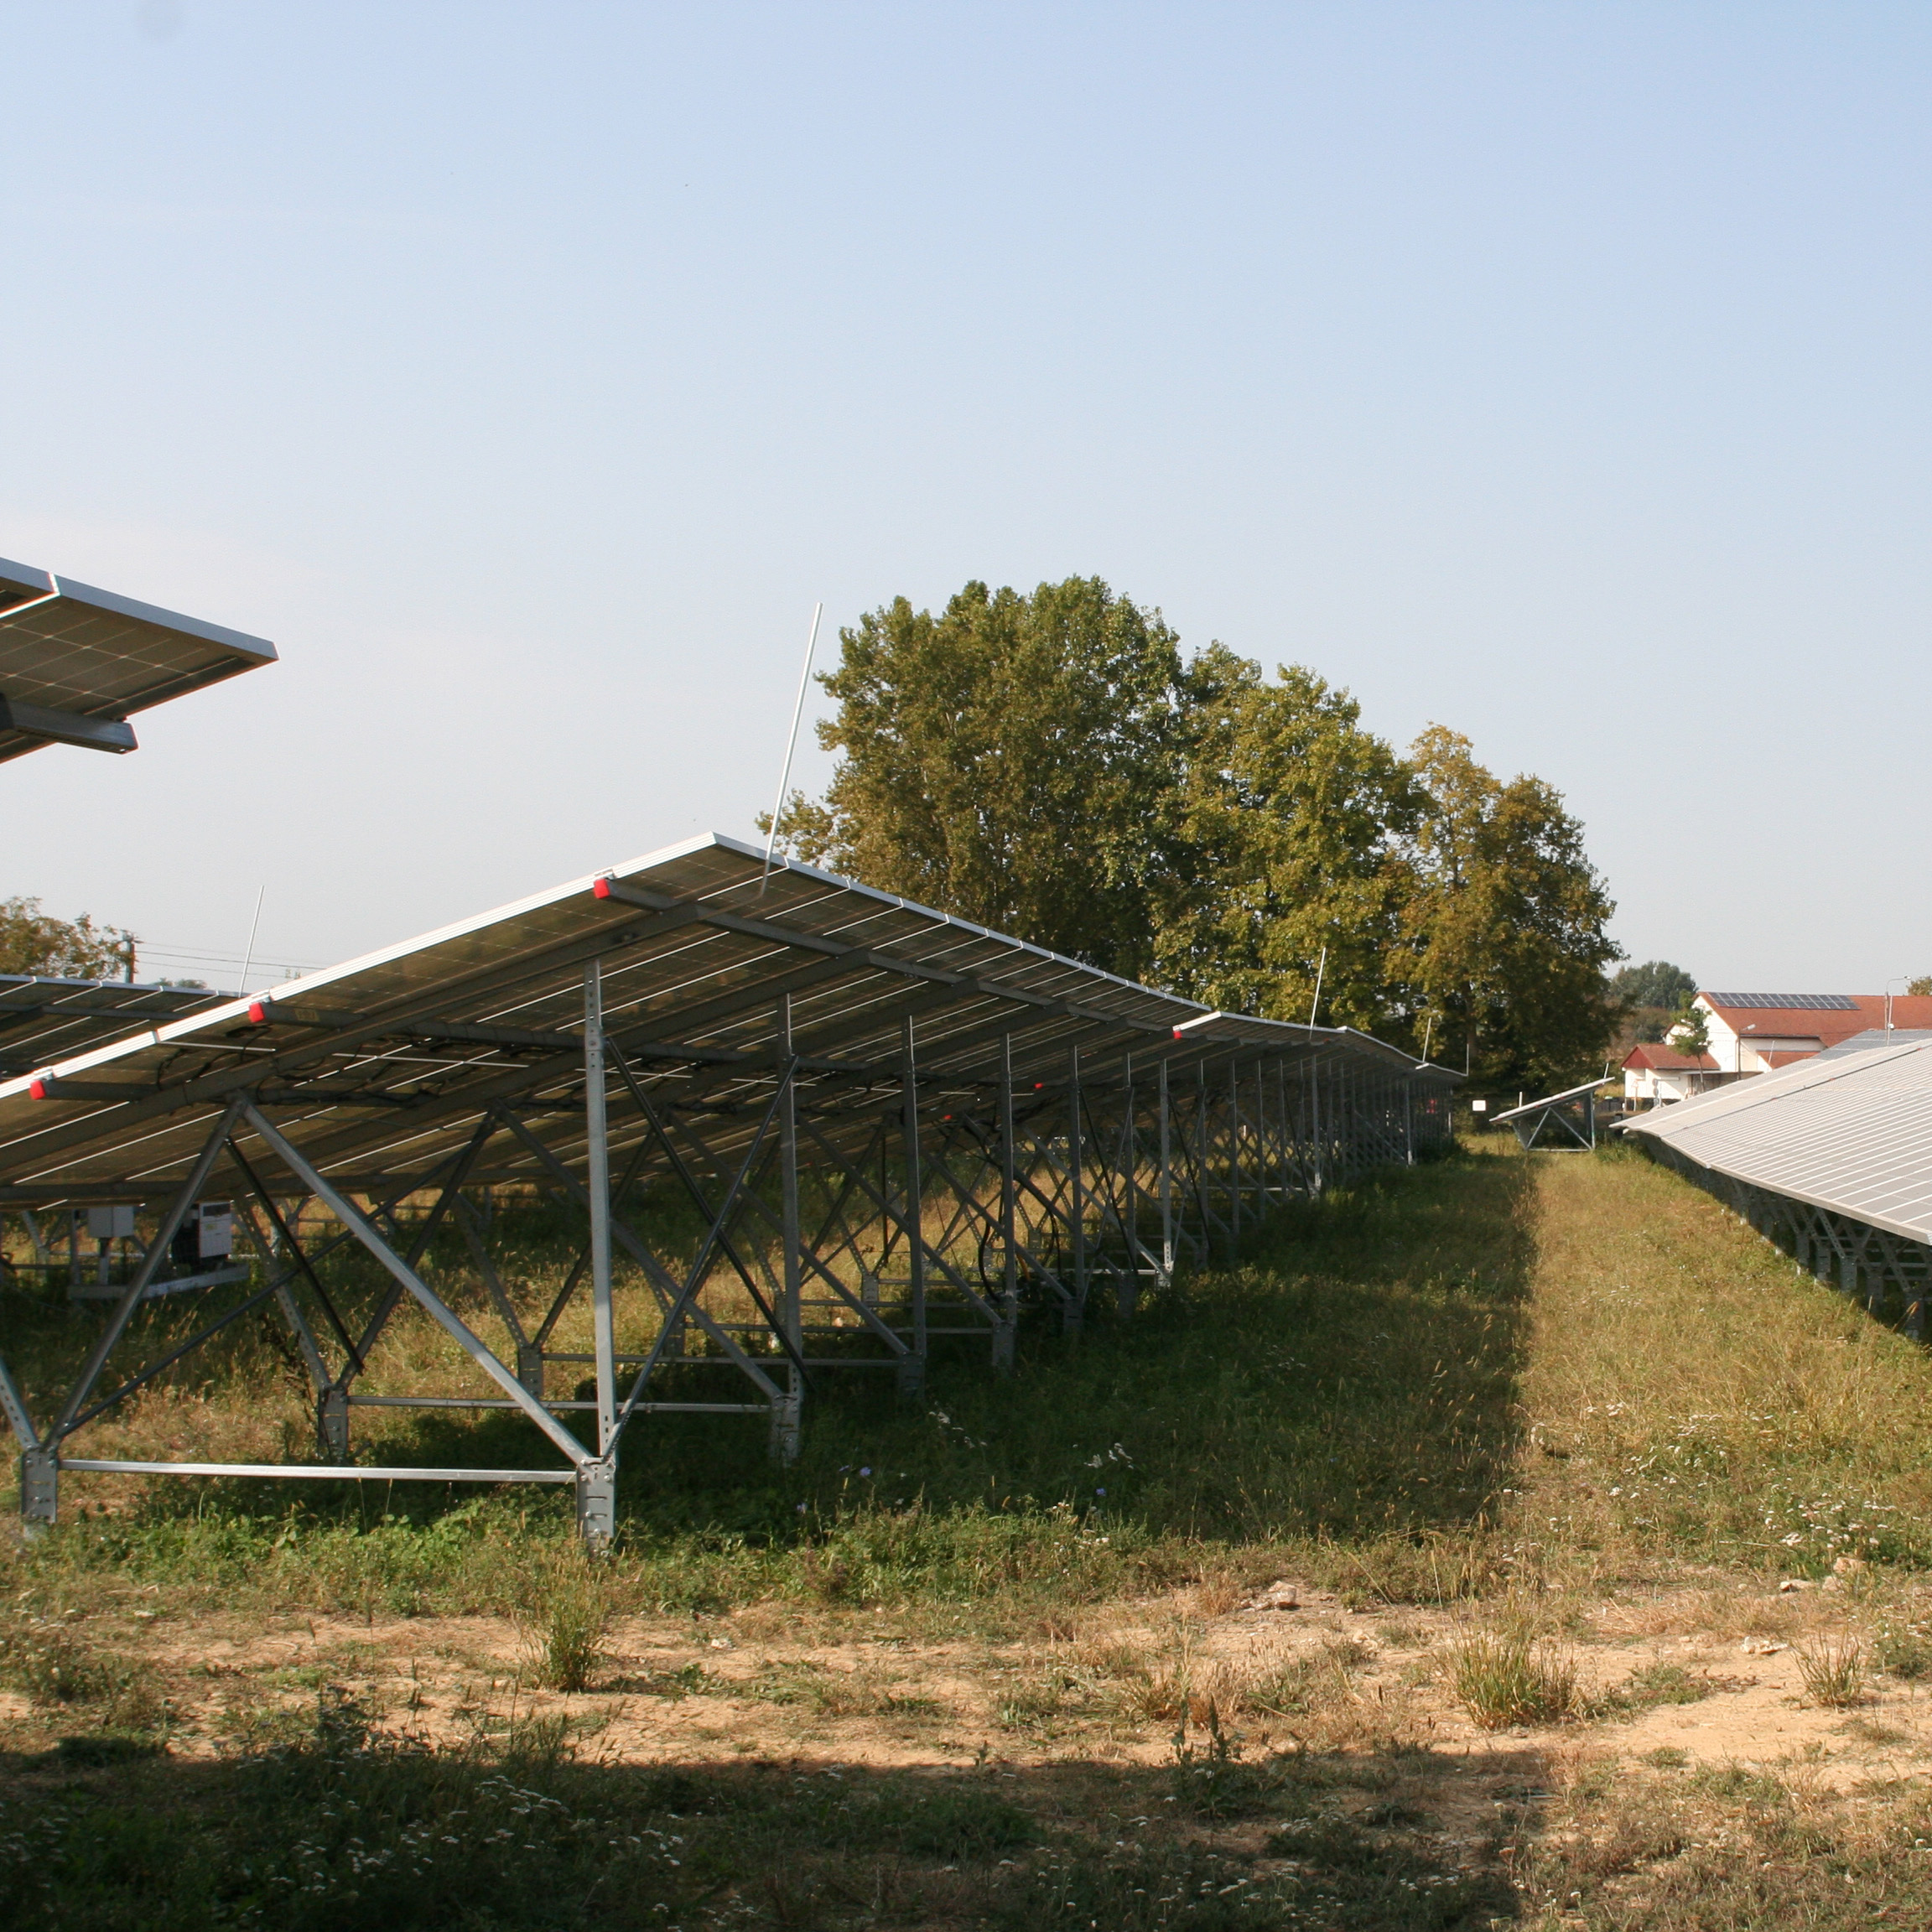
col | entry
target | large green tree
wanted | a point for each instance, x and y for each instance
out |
(1047, 764)
(1651, 997)
(1009, 760)
(1290, 823)
(1507, 921)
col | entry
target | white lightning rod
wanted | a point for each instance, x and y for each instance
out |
(791, 743)
(254, 927)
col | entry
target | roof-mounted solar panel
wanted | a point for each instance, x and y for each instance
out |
(1810, 1002)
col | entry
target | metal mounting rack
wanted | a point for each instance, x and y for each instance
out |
(802, 1128)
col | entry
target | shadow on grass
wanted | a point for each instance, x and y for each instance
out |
(345, 1830)
(1350, 1386)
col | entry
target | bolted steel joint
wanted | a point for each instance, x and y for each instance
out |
(332, 1423)
(597, 1502)
(39, 1490)
(530, 1368)
(785, 1431)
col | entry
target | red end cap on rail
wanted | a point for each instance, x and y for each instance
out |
(258, 1013)
(38, 1091)
(600, 888)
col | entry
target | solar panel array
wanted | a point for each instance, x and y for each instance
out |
(71, 651)
(895, 1127)
(1848, 1131)
(1810, 1002)
(381, 1066)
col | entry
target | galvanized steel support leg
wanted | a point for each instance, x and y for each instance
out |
(332, 1423)
(597, 1192)
(1318, 1177)
(1127, 1292)
(597, 1502)
(1166, 1187)
(1003, 1331)
(912, 1363)
(785, 1413)
(1915, 1293)
(39, 1489)
(1234, 1155)
(1076, 1173)
(39, 1470)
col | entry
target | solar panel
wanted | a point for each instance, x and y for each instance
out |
(1548, 1100)
(76, 663)
(1849, 1131)
(42, 1021)
(1813, 1002)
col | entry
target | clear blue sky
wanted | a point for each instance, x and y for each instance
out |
(1558, 372)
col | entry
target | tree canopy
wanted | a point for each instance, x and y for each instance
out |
(1289, 825)
(1655, 983)
(1507, 919)
(1051, 765)
(34, 941)
(1009, 760)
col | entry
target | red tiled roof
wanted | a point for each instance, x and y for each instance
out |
(1661, 1059)
(1786, 1058)
(1825, 1025)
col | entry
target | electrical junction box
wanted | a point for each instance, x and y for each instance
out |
(206, 1233)
(114, 1223)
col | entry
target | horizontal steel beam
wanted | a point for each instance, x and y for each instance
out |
(67, 727)
(319, 1472)
(272, 1012)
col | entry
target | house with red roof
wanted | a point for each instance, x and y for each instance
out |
(1755, 1032)
(1655, 1070)
(1749, 1033)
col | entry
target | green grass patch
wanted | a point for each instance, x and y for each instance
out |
(1344, 1397)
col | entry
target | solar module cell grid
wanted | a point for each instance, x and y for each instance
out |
(77, 652)
(44, 1020)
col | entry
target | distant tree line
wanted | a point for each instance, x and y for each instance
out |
(34, 941)
(1054, 766)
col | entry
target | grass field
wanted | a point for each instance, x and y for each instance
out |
(1514, 1541)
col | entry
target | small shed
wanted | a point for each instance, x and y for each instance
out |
(1655, 1071)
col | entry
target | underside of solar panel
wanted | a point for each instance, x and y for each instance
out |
(76, 663)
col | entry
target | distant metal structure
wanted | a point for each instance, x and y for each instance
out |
(1829, 1159)
(1568, 1118)
(76, 663)
(802, 1128)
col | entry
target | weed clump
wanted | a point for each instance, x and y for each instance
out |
(1502, 1678)
(59, 1668)
(1903, 1653)
(1833, 1671)
(568, 1622)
